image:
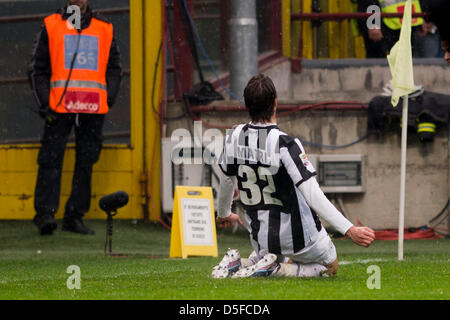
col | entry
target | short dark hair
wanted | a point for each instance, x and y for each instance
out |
(259, 96)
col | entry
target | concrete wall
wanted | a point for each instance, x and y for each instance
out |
(361, 80)
(427, 183)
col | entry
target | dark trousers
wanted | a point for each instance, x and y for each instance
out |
(381, 48)
(88, 141)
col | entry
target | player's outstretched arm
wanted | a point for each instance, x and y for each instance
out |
(316, 199)
(362, 236)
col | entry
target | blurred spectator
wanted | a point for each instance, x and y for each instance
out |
(379, 42)
(426, 42)
(440, 10)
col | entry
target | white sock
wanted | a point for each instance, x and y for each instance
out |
(301, 270)
(286, 270)
(311, 270)
(251, 260)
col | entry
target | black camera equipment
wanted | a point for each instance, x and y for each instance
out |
(110, 204)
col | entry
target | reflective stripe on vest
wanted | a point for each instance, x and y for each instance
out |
(77, 84)
(87, 90)
(426, 127)
(398, 6)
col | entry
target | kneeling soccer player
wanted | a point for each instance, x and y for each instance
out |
(278, 190)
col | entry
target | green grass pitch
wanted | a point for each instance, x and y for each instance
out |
(35, 267)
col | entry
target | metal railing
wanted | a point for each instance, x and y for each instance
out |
(339, 17)
(351, 15)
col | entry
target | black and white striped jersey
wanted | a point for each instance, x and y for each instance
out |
(269, 166)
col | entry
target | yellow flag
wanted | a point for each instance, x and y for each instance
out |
(400, 60)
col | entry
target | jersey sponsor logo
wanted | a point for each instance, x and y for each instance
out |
(82, 102)
(87, 56)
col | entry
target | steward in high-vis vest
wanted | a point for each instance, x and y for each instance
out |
(398, 6)
(75, 75)
(379, 41)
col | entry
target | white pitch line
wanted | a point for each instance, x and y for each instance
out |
(362, 261)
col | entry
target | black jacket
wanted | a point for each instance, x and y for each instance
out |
(39, 72)
(434, 107)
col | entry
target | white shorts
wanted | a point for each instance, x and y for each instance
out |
(322, 251)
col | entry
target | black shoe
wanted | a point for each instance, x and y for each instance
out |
(76, 225)
(46, 224)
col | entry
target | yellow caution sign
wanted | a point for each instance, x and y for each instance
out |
(193, 223)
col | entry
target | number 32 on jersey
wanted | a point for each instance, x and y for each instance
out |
(250, 179)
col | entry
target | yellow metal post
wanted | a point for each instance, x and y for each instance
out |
(339, 32)
(333, 31)
(153, 36)
(286, 27)
(344, 7)
(358, 43)
(307, 31)
(137, 96)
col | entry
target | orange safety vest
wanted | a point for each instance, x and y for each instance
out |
(87, 90)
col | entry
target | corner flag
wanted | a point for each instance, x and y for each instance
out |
(400, 60)
(401, 66)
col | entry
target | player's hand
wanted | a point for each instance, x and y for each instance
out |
(362, 236)
(375, 35)
(229, 221)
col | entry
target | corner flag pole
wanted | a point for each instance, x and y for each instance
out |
(401, 67)
(401, 218)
